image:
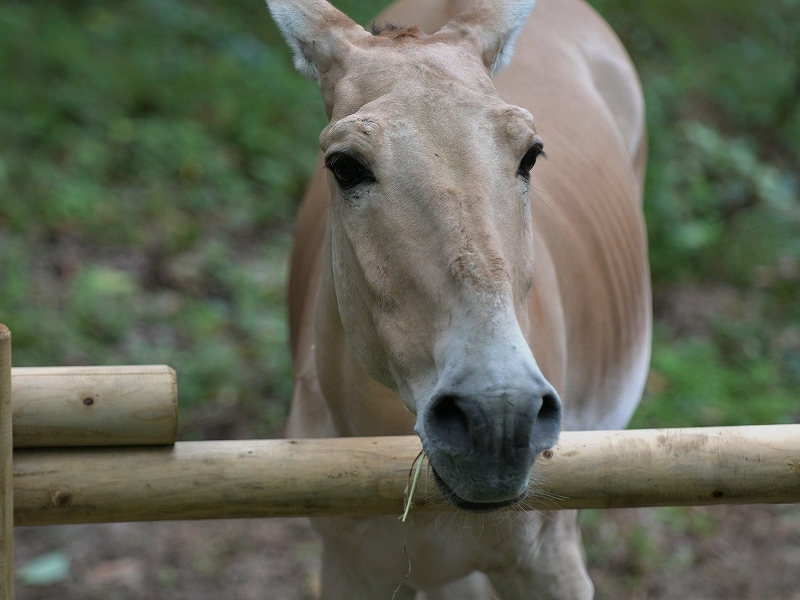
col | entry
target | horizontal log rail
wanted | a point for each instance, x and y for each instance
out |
(347, 476)
(94, 406)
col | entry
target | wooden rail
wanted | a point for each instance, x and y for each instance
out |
(268, 478)
(94, 406)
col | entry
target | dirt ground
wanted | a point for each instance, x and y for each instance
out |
(242, 559)
(731, 552)
(742, 552)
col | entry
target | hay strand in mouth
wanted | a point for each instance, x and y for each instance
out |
(414, 480)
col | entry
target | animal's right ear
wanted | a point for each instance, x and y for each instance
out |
(317, 33)
(494, 26)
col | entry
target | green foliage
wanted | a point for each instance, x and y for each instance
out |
(714, 204)
(722, 85)
(115, 114)
(729, 379)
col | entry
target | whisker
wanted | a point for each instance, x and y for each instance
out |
(542, 200)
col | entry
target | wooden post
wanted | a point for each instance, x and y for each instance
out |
(6, 481)
(351, 476)
(94, 406)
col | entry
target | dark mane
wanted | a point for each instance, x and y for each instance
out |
(393, 31)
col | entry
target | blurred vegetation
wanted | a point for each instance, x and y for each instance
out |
(152, 153)
(150, 159)
(722, 202)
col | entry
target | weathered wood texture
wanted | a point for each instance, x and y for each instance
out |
(6, 480)
(204, 480)
(94, 406)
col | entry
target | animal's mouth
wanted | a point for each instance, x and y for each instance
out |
(468, 505)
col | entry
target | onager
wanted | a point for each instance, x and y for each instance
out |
(446, 280)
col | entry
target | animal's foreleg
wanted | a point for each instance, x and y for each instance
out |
(553, 569)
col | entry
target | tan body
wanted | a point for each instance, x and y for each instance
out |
(586, 315)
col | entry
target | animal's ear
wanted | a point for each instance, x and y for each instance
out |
(316, 32)
(494, 26)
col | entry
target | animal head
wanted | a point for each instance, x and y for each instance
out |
(430, 235)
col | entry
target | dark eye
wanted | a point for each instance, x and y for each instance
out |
(527, 162)
(348, 171)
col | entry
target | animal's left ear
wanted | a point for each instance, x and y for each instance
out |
(494, 26)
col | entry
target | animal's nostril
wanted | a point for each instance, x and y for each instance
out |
(551, 407)
(449, 423)
(548, 423)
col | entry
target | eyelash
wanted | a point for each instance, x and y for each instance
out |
(529, 160)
